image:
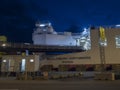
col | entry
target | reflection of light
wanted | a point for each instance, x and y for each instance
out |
(118, 25)
(31, 60)
(82, 40)
(85, 29)
(23, 64)
(49, 24)
(116, 38)
(85, 32)
(3, 44)
(103, 43)
(42, 25)
(4, 60)
(83, 37)
(45, 24)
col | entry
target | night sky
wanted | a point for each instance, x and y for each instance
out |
(18, 17)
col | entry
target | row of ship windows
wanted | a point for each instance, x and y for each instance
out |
(88, 57)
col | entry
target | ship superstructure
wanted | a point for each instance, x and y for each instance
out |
(44, 34)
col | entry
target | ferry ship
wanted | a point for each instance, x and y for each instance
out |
(44, 34)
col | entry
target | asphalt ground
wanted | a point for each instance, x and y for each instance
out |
(87, 84)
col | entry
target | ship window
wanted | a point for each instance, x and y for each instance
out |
(117, 40)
